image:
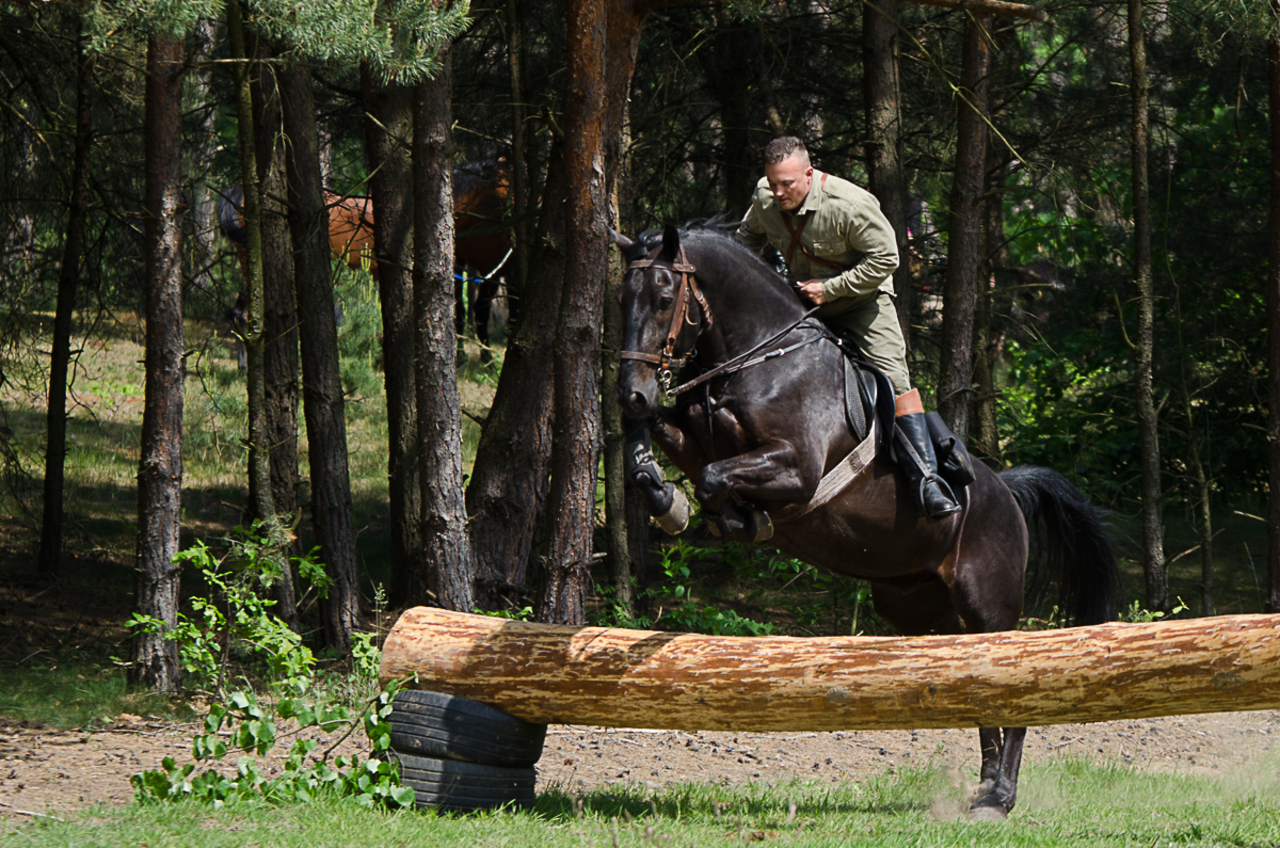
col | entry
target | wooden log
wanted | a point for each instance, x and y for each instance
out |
(679, 681)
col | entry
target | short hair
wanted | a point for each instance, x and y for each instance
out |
(780, 148)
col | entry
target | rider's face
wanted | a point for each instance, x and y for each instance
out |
(789, 180)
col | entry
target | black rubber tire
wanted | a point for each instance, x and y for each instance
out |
(451, 786)
(430, 724)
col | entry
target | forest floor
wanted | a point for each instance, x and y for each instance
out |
(50, 771)
(54, 772)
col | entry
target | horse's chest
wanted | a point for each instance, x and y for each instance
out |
(719, 426)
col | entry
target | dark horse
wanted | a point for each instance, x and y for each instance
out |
(482, 241)
(762, 438)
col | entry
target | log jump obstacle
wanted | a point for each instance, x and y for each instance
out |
(679, 681)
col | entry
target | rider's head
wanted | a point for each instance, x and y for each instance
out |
(787, 168)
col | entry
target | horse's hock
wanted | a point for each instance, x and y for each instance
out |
(677, 681)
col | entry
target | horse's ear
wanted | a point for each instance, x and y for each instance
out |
(631, 250)
(670, 243)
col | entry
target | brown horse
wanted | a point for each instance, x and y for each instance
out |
(481, 194)
(761, 439)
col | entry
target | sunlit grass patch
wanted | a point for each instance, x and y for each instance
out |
(1098, 806)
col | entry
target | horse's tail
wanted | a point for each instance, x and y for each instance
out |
(1072, 544)
(230, 204)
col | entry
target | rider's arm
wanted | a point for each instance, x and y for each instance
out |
(750, 232)
(870, 234)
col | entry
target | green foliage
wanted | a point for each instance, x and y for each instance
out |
(235, 621)
(253, 729)
(1135, 614)
(680, 611)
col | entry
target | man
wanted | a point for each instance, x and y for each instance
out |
(841, 251)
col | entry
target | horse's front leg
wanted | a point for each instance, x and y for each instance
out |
(771, 472)
(666, 503)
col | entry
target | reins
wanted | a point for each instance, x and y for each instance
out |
(747, 359)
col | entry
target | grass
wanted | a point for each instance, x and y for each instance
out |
(1069, 803)
(75, 695)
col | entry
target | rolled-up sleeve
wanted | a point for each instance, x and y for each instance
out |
(750, 232)
(870, 234)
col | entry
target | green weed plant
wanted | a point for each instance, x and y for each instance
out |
(236, 622)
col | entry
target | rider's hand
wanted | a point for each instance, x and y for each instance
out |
(812, 289)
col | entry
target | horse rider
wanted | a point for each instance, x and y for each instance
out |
(842, 252)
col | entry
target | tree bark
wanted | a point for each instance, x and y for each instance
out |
(995, 253)
(261, 505)
(155, 660)
(508, 483)
(322, 393)
(49, 560)
(1153, 561)
(964, 232)
(516, 283)
(1273, 321)
(388, 134)
(576, 449)
(448, 563)
(883, 143)
(279, 321)
(685, 681)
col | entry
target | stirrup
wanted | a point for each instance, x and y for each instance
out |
(944, 489)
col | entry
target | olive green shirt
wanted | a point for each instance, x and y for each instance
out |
(846, 227)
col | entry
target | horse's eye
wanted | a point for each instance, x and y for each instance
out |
(665, 301)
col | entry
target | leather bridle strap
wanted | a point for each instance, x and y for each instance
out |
(679, 315)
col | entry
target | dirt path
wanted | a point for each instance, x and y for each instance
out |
(50, 773)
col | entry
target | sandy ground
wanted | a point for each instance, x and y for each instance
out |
(53, 772)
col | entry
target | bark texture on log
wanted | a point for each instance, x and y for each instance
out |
(679, 681)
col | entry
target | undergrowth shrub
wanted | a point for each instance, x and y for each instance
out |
(233, 634)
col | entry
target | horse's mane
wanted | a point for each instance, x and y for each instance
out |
(717, 233)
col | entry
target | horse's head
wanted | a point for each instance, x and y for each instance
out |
(663, 313)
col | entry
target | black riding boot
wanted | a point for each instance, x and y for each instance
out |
(933, 495)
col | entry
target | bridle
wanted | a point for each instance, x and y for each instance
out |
(679, 316)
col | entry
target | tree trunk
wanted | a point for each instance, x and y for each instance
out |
(995, 253)
(388, 132)
(50, 557)
(508, 483)
(519, 170)
(576, 449)
(1273, 321)
(733, 69)
(155, 660)
(448, 563)
(964, 231)
(322, 393)
(1153, 562)
(686, 681)
(205, 146)
(280, 320)
(262, 506)
(884, 138)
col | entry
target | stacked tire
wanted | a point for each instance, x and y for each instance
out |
(460, 755)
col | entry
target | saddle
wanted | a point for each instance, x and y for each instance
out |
(869, 396)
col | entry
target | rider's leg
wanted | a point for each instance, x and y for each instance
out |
(932, 494)
(873, 326)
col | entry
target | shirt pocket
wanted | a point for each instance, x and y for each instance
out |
(829, 249)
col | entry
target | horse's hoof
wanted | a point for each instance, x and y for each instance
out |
(987, 814)
(674, 521)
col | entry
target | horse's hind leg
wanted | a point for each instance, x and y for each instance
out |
(1001, 760)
